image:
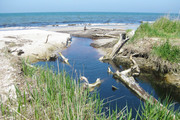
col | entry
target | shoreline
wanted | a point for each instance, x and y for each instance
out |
(33, 44)
(103, 40)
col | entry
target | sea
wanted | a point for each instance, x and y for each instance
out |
(76, 18)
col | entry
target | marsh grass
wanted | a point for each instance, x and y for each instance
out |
(167, 52)
(163, 28)
(51, 95)
(157, 112)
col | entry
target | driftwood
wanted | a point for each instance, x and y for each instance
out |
(117, 47)
(68, 42)
(127, 77)
(91, 86)
(114, 88)
(109, 70)
(47, 38)
(65, 60)
(104, 35)
(85, 28)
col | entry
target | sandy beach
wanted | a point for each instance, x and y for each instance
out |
(34, 45)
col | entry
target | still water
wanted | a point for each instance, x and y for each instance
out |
(84, 61)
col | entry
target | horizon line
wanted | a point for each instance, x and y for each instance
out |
(87, 12)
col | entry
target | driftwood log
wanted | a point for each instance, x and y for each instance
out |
(104, 35)
(91, 86)
(64, 59)
(47, 38)
(117, 47)
(127, 77)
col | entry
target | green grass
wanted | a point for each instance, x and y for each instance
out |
(163, 28)
(57, 96)
(50, 96)
(128, 30)
(157, 112)
(167, 52)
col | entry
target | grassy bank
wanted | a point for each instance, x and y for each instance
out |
(49, 95)
(163, 28)
(167, 52)
(164, 35)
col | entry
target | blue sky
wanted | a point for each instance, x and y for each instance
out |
(155, 6)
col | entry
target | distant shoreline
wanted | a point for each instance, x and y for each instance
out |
(76, 18)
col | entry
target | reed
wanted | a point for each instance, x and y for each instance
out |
(51, 95)
(156, 112)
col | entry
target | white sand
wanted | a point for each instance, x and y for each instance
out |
(33, 42)
(7, 78)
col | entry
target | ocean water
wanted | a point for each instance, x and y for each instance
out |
(67, 18)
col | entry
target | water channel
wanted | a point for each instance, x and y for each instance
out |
(84, 61)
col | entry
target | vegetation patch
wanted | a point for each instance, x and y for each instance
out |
(163, 28)
(148, 35)
(156, 111)
(167, 52)
(50, 95)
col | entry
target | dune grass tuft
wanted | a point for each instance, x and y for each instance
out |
(167, 52)
(163, 28)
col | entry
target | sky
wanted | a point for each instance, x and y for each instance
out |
(152, 6)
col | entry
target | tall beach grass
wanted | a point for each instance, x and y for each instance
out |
(49, 95)
(163, 28)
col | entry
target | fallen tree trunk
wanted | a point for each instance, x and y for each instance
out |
(117, 47)
(127, 77)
